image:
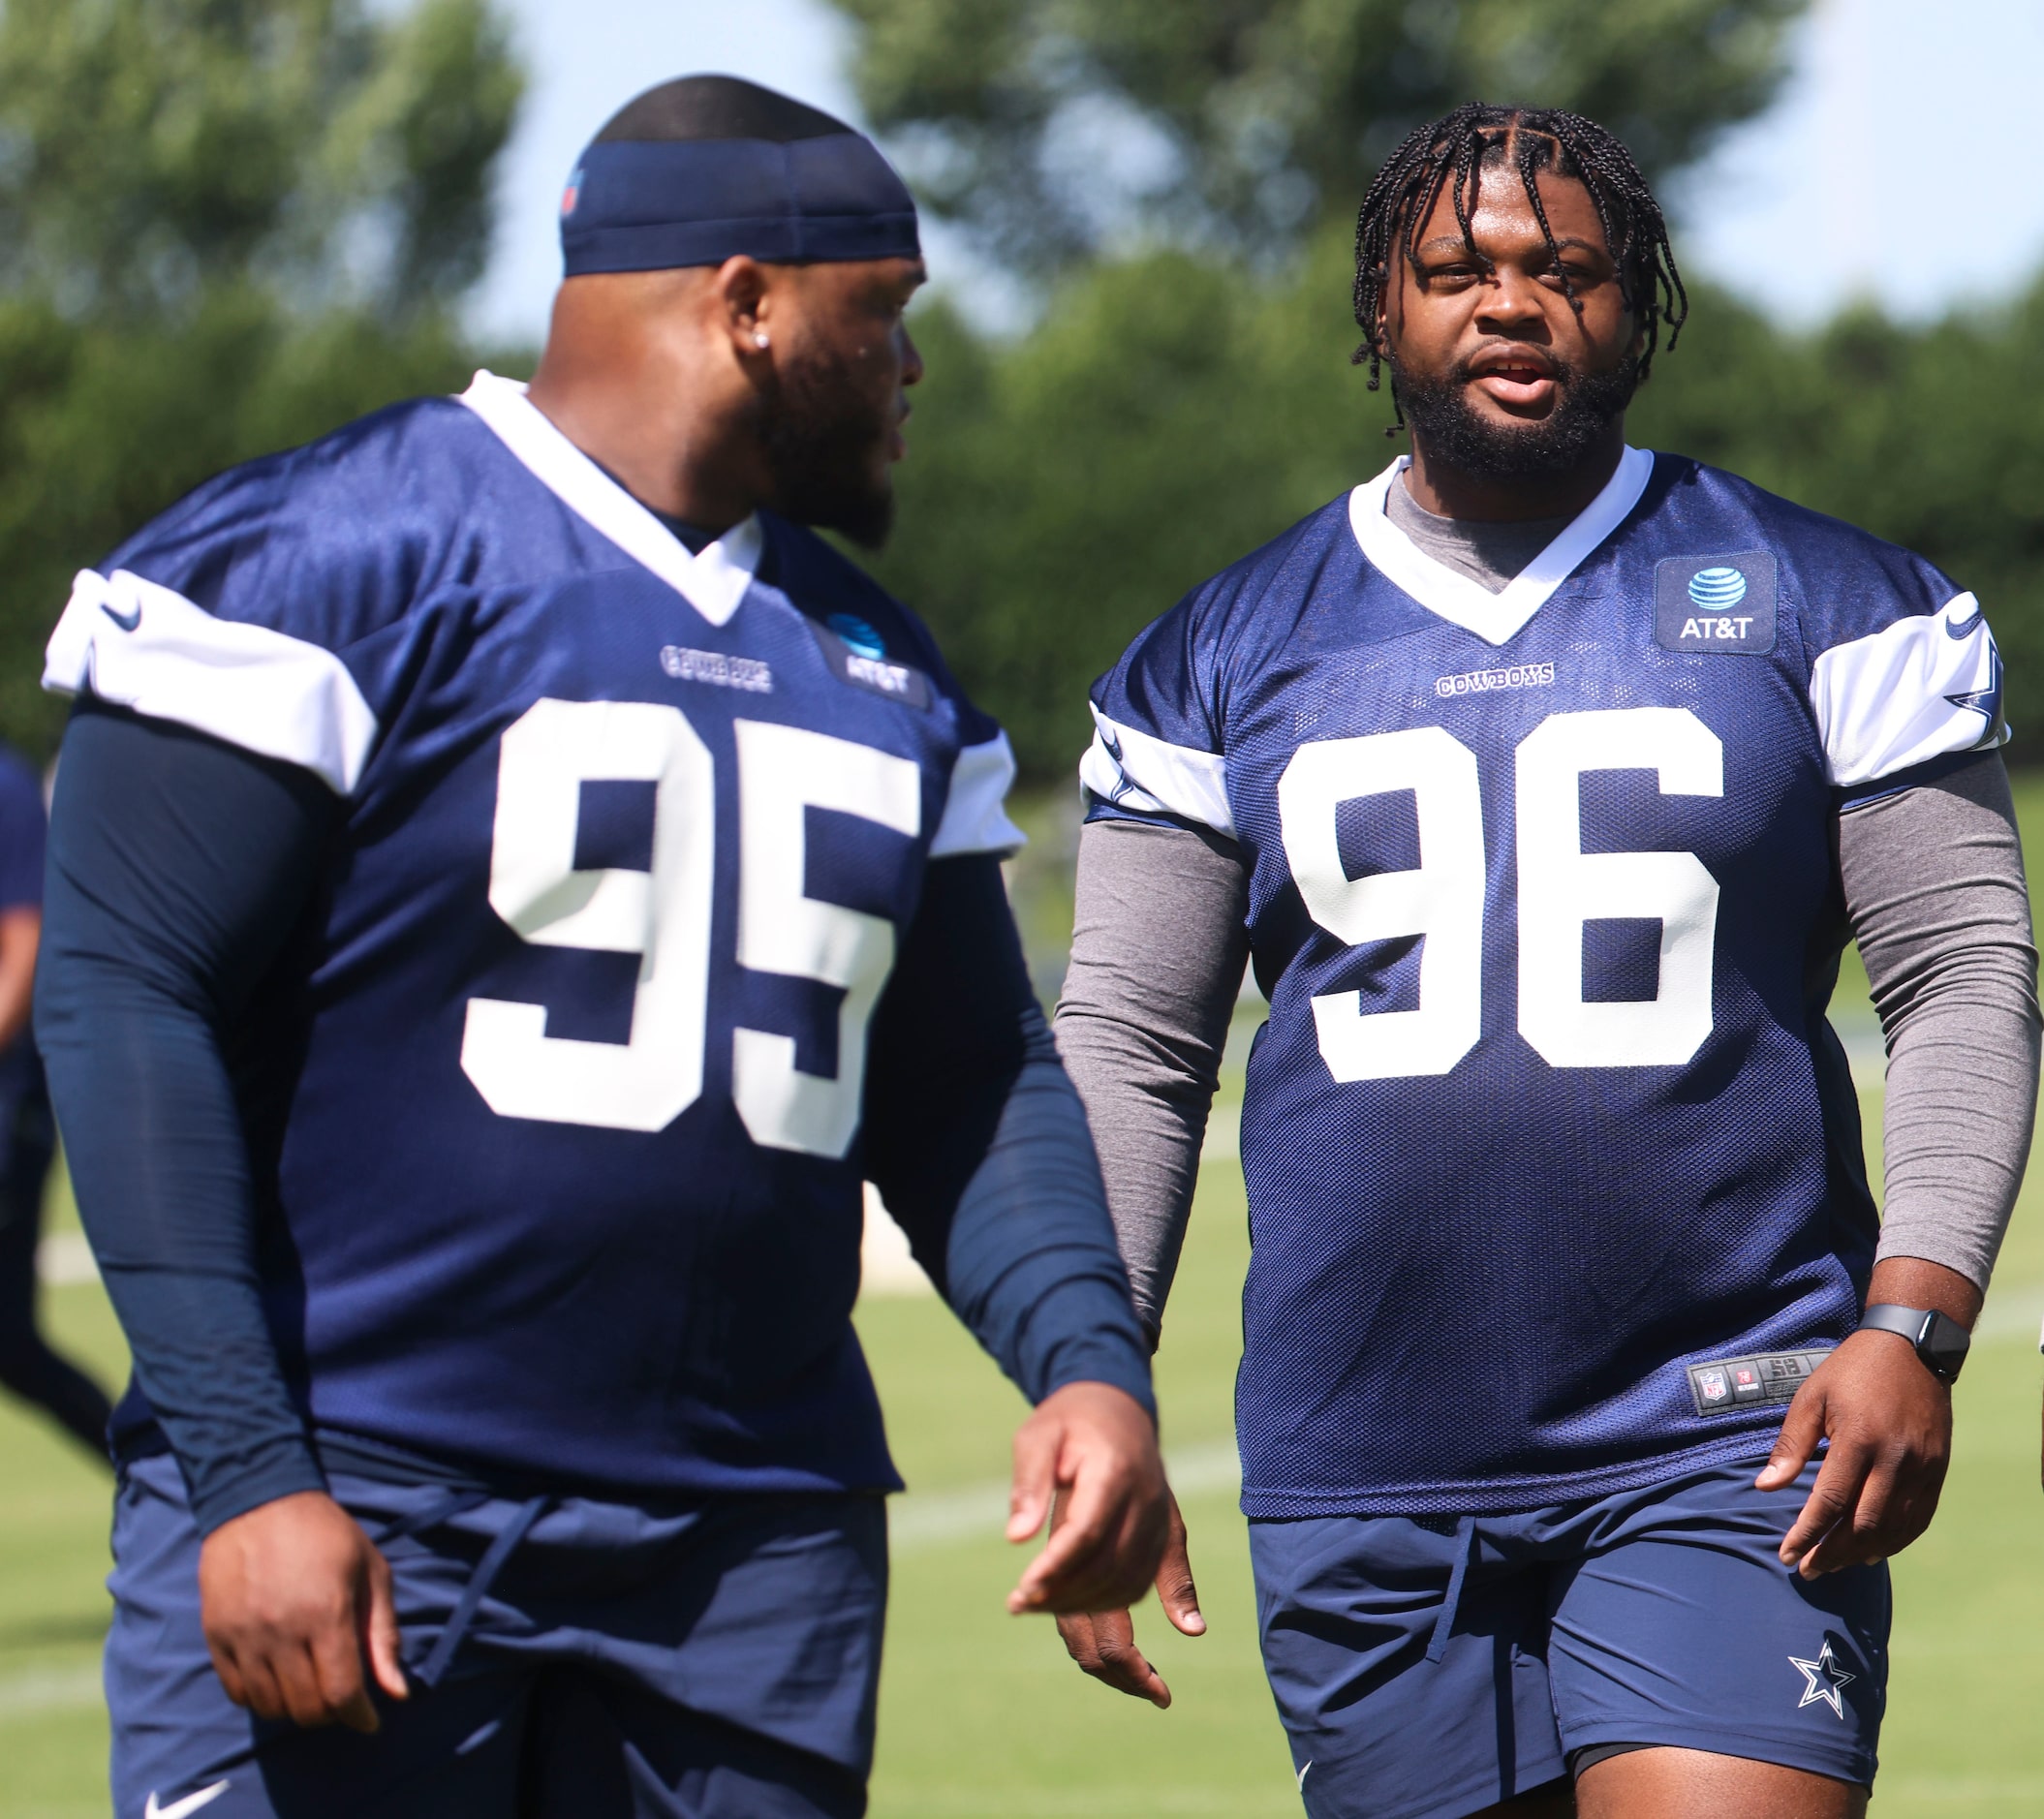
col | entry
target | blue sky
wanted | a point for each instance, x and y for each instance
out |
(1894, 163)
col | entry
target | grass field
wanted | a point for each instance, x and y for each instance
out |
(981, 1715)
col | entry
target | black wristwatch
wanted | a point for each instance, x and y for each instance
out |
(1940, 1341)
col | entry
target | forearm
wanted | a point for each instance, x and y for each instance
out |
(980, 1150)
(176, 865)
(1157, 951)
(1934, 883)
(161, 1177)
(1031, 1264)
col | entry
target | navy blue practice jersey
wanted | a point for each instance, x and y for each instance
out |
(554, 1100)
(1546, 1110)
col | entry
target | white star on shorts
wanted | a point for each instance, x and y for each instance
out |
(1822, 1678)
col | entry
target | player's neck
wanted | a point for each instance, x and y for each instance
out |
(679, 455)
(1452, 492)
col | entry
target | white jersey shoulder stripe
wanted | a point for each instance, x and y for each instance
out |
(1496, 617)
(1924, 686)
(1135, 770)
(713, 581)
(146, 647)
(975, 811)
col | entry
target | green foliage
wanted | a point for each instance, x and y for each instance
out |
(226, 227)
(153, 148)
(1269, 117)
(1169, 415)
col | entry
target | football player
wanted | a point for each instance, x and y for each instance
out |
(511, 880)
(1543, 780)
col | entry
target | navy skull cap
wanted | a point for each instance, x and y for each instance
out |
(708, 166)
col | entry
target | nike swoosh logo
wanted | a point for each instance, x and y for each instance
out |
(128, 622)
(1958, 630)
(191, 1803)
(1303, 1773)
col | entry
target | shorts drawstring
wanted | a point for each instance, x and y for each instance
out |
(502, 1547)
(1465, 1547)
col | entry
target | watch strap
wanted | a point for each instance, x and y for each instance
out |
(1939, 1339)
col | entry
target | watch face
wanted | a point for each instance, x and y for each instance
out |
(1944, 1343)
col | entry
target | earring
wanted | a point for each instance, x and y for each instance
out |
(758, 337)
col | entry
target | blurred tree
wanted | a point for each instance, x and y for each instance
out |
(153, 148)
(1056, 128)
(225, 225)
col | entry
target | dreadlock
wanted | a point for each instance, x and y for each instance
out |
(1450, 153)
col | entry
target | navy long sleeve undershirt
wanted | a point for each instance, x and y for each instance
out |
(179, 868)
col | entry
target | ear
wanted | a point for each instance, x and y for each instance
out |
(743, 292)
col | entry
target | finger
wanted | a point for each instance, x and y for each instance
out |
(305, 1701)
(1079, 1553)
(1831, 1499)
(229, 1671)
(261, 1692)
(1107, 1651)
(1176, 1594)
(1797, 1442)
(336, 1653)
(1888, 1515)
(1037, 1445)
(380, 1632)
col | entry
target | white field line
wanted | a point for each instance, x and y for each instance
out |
(49, 1689)
(921, 1520)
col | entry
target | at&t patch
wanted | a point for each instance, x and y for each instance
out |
(1715, 606)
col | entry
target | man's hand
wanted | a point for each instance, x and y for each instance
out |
(1091, 1450)
(1889, 1424)
(1103, 1642)
(294, 1596)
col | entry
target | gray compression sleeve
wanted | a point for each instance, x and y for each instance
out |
(1159, 942)
(1933, 885)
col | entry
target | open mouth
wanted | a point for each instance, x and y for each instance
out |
(1513, 381)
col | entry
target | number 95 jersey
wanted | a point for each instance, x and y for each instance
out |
(553, 1101)
(1546, 1121)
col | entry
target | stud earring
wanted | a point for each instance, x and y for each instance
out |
(758, 337)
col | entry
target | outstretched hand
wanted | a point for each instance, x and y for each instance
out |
(1090, 1453)
(1103, 1642)
(295, 1600)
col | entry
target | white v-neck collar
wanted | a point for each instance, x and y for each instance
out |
(713, 581)
(1496, 617)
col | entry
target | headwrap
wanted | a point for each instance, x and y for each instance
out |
(703, 168)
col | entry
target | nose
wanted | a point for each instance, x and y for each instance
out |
(1510, 300)
(911, 359)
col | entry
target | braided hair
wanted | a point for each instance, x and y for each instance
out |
(1449, 154)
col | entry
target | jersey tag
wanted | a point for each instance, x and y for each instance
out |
(1715, 606)
(1739, 1382)
(898, 682)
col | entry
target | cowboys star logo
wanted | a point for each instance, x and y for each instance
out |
(1822, 1678)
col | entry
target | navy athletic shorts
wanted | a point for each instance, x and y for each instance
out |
(1425, 1668)
(568, 1659)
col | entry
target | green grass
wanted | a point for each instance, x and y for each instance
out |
(981, 1715)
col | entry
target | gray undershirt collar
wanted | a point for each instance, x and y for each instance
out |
(1491, 554)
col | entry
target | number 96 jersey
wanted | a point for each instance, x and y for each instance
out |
(554, 1100)
(1554, 1164)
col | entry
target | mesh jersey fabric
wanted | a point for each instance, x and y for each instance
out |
(1542, 897)
(552, 1101)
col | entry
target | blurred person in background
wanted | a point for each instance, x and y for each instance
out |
(28, 1366)
(511, 880)
(1543, 780)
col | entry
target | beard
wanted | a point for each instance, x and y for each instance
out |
(1441, 416)
(820, 432)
